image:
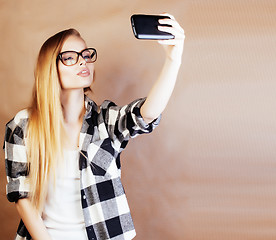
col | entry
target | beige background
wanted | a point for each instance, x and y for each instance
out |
(208, 171)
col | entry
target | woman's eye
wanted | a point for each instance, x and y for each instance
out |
(87, 57)
(68, 59)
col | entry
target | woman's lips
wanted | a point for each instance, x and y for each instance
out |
(84, 73)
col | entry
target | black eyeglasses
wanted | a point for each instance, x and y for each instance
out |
(70, 58)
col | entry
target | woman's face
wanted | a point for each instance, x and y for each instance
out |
(81, 74)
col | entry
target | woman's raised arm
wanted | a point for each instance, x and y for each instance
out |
(162, 89)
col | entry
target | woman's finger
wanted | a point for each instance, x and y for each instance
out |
(170, 42)
(178, 33)
(168, 15)
(171, 22)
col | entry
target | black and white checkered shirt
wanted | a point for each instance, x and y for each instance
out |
(104, 134)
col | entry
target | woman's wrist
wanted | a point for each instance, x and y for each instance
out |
(174, 61)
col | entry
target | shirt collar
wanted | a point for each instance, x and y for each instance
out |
(90, 106)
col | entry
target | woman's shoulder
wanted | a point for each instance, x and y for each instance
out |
(93, 106)
(134, 103)
(19, 120)
(107, 103)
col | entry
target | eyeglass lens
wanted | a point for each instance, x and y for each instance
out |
(70, 57)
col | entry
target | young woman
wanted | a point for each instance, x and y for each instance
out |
(63, 153)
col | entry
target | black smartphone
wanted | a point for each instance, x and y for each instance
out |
(145, 27)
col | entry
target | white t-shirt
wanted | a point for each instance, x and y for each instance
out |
(62, 214)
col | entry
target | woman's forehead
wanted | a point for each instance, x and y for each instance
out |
(73, 43)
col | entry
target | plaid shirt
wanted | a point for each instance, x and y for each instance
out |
(104, 134)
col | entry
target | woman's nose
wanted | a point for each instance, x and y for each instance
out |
(81, 60)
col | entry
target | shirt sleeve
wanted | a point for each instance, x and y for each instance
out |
(126, 122)
(16, 159)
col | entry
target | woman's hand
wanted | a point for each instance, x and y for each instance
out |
(173, 47)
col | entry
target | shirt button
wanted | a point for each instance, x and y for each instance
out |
(84, 197)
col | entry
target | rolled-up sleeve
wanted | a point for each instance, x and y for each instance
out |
(16, 160)
(125, 122)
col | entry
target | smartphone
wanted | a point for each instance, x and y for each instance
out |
(145, 27)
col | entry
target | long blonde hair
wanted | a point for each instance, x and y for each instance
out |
(45, 127)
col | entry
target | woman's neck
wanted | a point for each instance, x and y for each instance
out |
(72, 102)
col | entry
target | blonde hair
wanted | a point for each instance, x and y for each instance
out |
(45, 127)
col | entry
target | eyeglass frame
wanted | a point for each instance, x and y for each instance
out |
(59, 57)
